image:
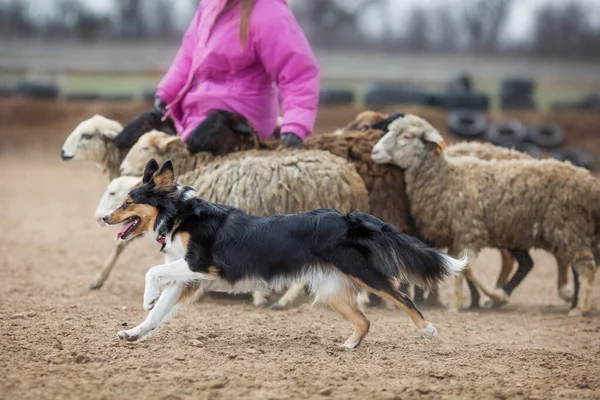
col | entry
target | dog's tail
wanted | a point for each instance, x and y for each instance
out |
(400, 257)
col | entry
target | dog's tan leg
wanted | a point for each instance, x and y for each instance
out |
(586, 269)
(508, 263)
(102, 275)
(289, 296)
(564, 291)
(499, 295)
(198, 295)
(363, 299)
(345, 304)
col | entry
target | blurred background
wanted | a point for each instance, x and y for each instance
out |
(528, 56)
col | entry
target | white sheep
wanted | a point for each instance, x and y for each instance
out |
(94, 140)
(523, 204)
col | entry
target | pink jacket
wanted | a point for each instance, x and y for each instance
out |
(211, 71)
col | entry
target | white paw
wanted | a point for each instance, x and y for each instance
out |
(350, 346)
(429, 331)
(259, 299)
(130, 335)
(566, 293)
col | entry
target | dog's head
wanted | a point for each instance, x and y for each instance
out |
(144, 204)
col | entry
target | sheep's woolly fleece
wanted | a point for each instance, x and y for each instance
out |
(266, 183)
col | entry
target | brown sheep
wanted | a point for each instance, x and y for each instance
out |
(544, 204)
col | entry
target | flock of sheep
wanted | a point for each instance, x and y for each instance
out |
(461, 197)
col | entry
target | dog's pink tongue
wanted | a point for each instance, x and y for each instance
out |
(124, 229)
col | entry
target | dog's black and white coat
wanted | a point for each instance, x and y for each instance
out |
(222, 248)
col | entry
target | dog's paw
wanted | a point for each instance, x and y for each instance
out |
(131, 335)
(429, 331)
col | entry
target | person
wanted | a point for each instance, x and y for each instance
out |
(232, 56)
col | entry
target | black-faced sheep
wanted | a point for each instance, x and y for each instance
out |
(522, 204)
(145, 122)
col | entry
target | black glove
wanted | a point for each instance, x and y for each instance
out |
(291, 140)
(160, 105)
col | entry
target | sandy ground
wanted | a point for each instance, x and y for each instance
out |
(58, 340)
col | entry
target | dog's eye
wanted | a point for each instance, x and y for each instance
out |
(126, 204)
(86, 136)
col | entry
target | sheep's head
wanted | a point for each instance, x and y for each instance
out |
(362, 122)
(408, 140)
(223, 132)
(154, 144)
(89, 139)
(145, 122)
(114, 195)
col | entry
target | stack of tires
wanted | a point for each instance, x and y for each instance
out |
(460, 95)
(517, 94)
(385, 94)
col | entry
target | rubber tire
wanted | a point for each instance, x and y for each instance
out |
(454, 101)
(460, 84)
(509, 133)
(336, 96)
(36, 90)
(381, 94)
(546, 135)
(467, 124)
(82, 96)
(577, 157)
(516, 93)
(529, 148)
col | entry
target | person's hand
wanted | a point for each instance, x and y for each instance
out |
(291, 140)
(160, 105)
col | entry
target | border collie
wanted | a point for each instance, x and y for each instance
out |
(221, 248)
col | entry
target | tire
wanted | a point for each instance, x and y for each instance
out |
(36, 90)
(517, 94)
(380, 94)
(546, 135)
(336, 96)
(509, 133)
(82, 96)
(454, 101)
(460, 84)
(531, 149)
(467, 123)
(577, 157)
(116, 97)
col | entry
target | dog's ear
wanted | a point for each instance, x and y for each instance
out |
(165, 175)
(151, 168)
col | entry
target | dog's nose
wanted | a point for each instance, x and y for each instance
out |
(105, 219)
(64, 155)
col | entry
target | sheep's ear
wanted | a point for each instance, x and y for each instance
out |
(109, 133)
(151, 168)
(165, 175)
(165, 143)
(433, 136)
(242, 127)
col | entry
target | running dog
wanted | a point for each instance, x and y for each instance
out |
(221, 248)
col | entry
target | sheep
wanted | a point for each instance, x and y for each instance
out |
(384, 183)
(144, 122)
(94, 140)
(259, 182)
(524, 204)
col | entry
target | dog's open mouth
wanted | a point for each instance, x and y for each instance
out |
(129, 226)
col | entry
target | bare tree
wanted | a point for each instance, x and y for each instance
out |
(483, 22)
(417, 37)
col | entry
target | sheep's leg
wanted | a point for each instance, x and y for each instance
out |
(102, 275)
(563, 279)
(260, 298)
(585, 267)
(507, 266)
(494, 295)
(475, 296)
(289, 296)
(433, 298)
(458, 292)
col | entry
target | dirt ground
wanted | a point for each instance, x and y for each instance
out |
(58, 339)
